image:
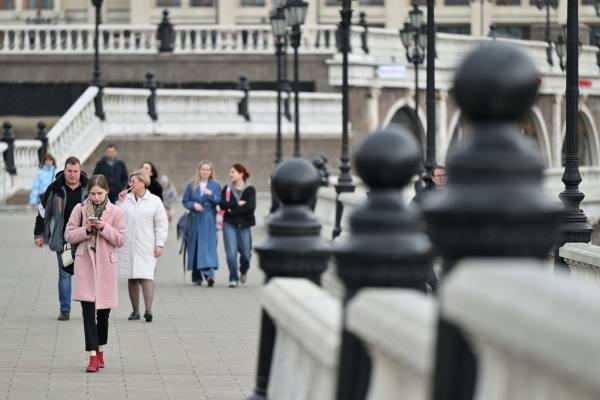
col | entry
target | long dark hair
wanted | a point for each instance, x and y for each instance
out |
(152, 168)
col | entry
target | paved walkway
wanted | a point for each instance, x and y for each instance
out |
(201, 345)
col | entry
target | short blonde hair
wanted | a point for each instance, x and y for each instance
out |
(141, 175)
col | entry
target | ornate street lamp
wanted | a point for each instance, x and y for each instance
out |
(279, 30)
(547, 4)
(295, 14)
(96, 80)
(344, 182)
(561, 49)
(414, 38)
(574, 227)
(430, 158)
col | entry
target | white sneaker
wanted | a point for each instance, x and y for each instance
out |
(233, 284)
(243, 278)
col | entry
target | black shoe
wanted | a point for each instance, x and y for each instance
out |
(64, 316)
(211, 282)
(147, 316)
(134, 316)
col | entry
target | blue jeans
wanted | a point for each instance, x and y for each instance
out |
(64, 287)
(237, 240)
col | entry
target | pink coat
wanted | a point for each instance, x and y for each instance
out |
(96, 277)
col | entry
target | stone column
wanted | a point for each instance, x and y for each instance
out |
(556, 158)
(373, 108)
(442, 135)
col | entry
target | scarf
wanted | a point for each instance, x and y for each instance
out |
(92, 209)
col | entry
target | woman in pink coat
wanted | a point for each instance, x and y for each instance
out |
(97, 228)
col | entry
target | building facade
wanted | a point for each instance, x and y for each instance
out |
(521, 19)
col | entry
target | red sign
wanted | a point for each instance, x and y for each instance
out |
(585, 83)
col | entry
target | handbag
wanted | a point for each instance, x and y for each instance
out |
(68, 255)
(68, 258)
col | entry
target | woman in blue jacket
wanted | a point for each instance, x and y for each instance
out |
(201, 197)
(43, 178)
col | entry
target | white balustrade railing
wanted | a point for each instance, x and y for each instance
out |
(583, 260)
(142, 39)
(398, 329)
(534, 334)
(180, 112)
(305, 357)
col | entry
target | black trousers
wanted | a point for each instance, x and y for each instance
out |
(95, 325)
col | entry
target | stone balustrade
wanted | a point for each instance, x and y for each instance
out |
(583, 260)
(305, 358)
(398, 328)
(534, 334)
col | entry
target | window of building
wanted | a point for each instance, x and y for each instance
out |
(168, 3)
(456, 29)
(331, 2)
(515, 32)
(371, 2)
(456, 2)
(508, 2)
(38, 4)
(202, 3)
(7, 4)
(594, 34)
(253, 3)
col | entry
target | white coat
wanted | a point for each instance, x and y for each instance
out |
(147, 227)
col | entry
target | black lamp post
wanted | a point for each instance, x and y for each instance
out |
(430, 158)
(547, 4)
(574, 227)
(344, 183)
(96, 80)
(414, 39)
(295, 14)
(279, 30)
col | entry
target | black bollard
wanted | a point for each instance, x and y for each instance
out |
(244, 86)
(151, 100)
(364, 36)
(494, 204)
(166, 34)
(294, 247)
(8, 137)
(386, 245)
(42, 136)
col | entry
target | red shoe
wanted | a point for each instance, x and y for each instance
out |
(93, 365)
(100, 356)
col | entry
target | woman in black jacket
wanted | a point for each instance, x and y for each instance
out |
(238, 200)
(155, 187)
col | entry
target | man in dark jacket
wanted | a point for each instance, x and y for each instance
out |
(114, 170)
(61, 196)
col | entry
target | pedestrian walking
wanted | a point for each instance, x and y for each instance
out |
(97, 228)
(114, 170)
(42, 180)
(155, 187)
(169, 196)
(61, 196)
(238, 200)
(201, 197)
(147, 230)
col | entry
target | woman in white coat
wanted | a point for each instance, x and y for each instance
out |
(147, 230)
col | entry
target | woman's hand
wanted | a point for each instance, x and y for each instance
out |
(88, 226)
(242, 202)
(122, 195)
(207, 191)
(158, 251)
(99, 225)
(198, 207)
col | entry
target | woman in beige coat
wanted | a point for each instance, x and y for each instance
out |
(147, 230)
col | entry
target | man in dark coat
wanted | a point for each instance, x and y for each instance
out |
(114, 170)
(54, 210)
